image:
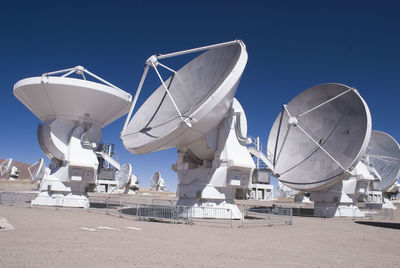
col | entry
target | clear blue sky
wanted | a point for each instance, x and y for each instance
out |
(292, 45)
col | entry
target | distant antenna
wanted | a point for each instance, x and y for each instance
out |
(5, 167)
(157, 182)
(383, 154)
(37, 171)
(123, 176)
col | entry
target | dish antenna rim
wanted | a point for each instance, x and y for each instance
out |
(50, 105)
(6, 166)
(385, 184)
(127, 169)
(172, 137)
(295, 121)
(39, 171)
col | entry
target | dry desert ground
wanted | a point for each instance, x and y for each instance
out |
(67, 237)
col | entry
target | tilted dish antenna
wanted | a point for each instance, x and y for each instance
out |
(190, 103)
(157, 182)
(154, 180)
(37, 171)
(123, 176)
(5, 167)
(319, 136)
(383, 154)
(193, 110)
(52, 97)
(73, 112)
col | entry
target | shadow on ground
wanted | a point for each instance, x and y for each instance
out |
(380, 224)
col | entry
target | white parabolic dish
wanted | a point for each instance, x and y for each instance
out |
(203, 91)
(72, 99)
(5, 167)
(39, 170)
(124, 175)
(384, 155)
(320, 134)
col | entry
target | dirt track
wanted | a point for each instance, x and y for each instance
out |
(49, 237)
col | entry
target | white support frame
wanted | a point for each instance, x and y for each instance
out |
(79, 70)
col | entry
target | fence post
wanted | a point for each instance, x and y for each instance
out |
(137, 212)
(231, 219)
(244, 215)
(107, 207)
(272, 217)
(291, 216)
(120, 209)
(187, 214)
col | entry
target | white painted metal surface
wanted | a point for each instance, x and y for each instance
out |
(72, 99)
(320, 136)
(37, 171)
(383, 155)
(202, 91)
(123, 175)
(5, 167)
(73, 112)
(157, 183)
(195, 111)
(317, 142)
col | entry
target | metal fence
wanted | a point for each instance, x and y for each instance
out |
(174, 214)
(267, 216)
(330, 212)
(379, 214)
(185, 214)
(108, 206)
(164, 213)
(211, 216)
(16, 197)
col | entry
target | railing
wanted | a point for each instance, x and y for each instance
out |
(157, 212)
(257, 144)
(267, 216)
(330, 212)
(379, 214)
(175, 214)
(210, 216)
(12, 198)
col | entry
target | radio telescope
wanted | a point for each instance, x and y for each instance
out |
(383, 154)
(6, 167)
(195, 111)
(8, 170)
(382, 159)
(317, 140)
(38, 171)
(73, 112)
(123, 176)
(157, 182)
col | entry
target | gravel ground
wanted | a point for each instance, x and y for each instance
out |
(50, 237)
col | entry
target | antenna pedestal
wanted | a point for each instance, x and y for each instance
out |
(387, 204)
(47, 198)
(74, 164)
(339, 200)
(212, 168)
